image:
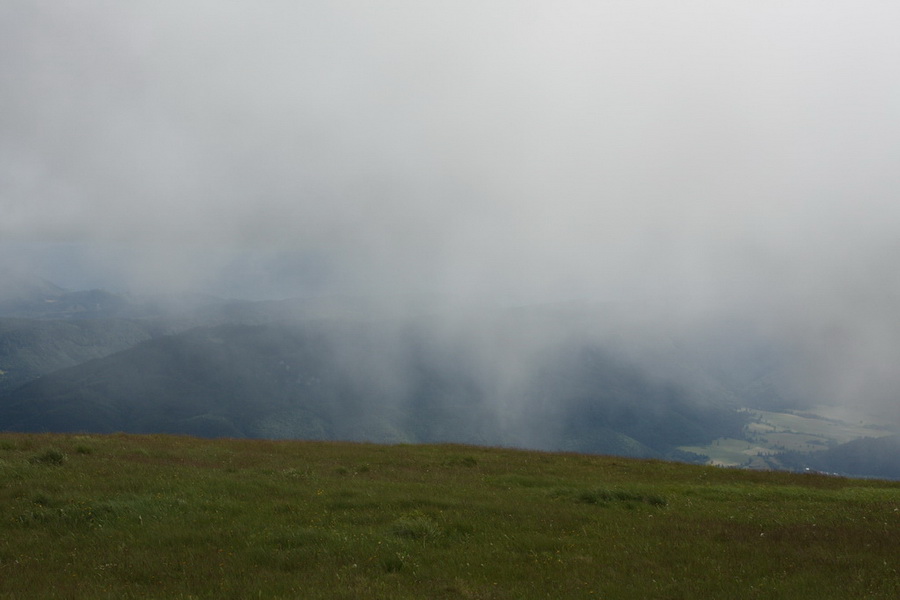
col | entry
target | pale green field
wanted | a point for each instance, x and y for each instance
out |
(771, 432)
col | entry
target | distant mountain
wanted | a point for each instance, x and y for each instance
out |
(100, 304)
(32, 348)
(44, 328)
(596, 378)
(355, 380)
(20, 290)
(29, 297)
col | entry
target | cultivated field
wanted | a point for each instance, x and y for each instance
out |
(769, 433)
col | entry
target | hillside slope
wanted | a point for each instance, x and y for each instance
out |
(90, 516)
(30, 348)
(363, 381)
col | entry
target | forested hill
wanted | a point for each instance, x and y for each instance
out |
(589, 378)
(30, 348)
(357, 380)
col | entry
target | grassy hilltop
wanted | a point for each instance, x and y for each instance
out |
(123, 516)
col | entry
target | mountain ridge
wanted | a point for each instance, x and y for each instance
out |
(334, 378)
(574, 376)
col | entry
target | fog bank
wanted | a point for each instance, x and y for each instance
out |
(698, 160)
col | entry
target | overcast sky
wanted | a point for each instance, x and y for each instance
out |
(716, 155)
(711, 158)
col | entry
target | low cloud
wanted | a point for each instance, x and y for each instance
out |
(709, 160)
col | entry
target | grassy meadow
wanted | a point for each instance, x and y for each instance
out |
(124, 516)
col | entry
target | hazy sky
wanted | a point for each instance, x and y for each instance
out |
(710, 154)
(707, 157)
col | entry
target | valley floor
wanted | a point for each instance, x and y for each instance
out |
(769, 433)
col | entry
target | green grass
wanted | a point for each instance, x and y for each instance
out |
(175, 517)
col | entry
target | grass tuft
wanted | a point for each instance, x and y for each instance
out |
(50, 457)
(394, 563)
(461, 461)
(608, 496)
(415, 525)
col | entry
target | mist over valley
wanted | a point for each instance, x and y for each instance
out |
(590, 378)
(657, 230)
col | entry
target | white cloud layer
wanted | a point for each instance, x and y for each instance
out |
(710, 156)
